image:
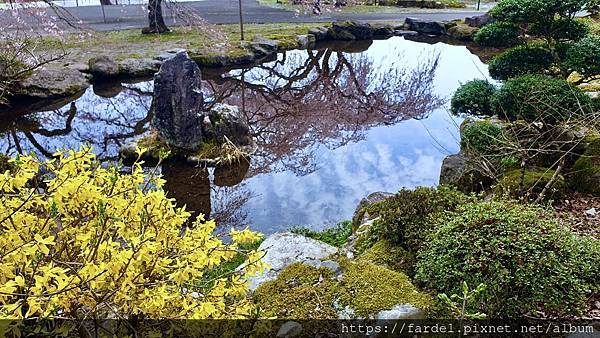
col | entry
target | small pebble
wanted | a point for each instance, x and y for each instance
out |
(591, 212)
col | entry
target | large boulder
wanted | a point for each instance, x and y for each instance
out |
(284, 249)
(320, 33)
(425, 26)
(51, 83)
(103, 66)
(585, 174)
(138, 67)
(459, 171)
(530, 183)
(261, 46)
(306, 41)
(178, 103)
(226, 123)
(462, 32)
(350, 30)
(479, 20)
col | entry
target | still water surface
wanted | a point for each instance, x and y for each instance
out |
(332, 125)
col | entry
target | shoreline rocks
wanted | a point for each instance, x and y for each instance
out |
(67, 81)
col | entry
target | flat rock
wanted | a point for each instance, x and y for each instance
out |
(52, 83)
(284, 249)
(425, 27)
(141, 67)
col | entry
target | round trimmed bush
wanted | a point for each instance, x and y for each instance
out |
(498, 34)
(584, 56)
(473, 98)
(406, 217)
(527, 261)
(562, 29)
(481, 138)
(539, 98)
(520, 61)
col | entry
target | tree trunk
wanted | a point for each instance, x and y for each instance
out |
(105, 2)
(156, 23)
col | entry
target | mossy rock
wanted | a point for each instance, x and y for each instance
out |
(306, 292)
(391, 256)
(299, 292)
(368, 289)
(530, 183)
(585, 174)
(462, 32)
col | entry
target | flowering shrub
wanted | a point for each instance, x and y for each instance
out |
(83, 240)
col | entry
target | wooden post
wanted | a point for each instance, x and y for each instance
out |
(103, 13)
(241, 21)
(478, 4)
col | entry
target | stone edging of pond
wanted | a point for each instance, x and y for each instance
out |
(51, 87)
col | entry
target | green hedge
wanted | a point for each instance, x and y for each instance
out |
(584, 56)
(473, 98)
(527, 261)
(498, 34)
(520, 61)
(537, 98)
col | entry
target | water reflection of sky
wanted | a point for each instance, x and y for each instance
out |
(405, 154)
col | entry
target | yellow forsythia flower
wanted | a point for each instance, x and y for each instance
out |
(79, 239)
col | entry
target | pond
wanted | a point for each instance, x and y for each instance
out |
(332, 125)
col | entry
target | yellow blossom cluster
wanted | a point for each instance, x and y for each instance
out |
(80, 239)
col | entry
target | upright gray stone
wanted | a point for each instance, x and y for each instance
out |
(178, 102)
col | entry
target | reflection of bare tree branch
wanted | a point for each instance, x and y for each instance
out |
(64, 131)
(106, 123)
(322, 98)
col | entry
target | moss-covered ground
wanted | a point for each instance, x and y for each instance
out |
(209, 40)
(306, 292)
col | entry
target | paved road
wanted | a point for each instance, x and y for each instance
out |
(226, 11)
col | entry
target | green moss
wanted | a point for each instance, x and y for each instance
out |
(368, 289)
(335, 236)
(530, 183)
(585, 174)
(388, 255)
(299, 292)
(306, 292)
(156, 148)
